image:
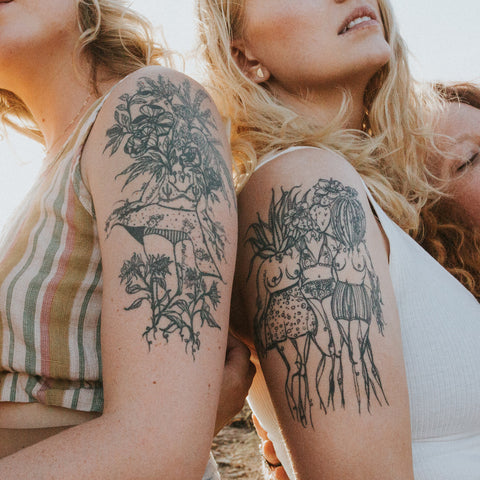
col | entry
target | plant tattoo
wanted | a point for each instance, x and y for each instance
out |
(181, 178)
(317, 291)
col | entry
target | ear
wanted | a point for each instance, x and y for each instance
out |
(248, 64)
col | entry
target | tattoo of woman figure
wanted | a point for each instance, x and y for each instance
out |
(317, 292)
(180, 178)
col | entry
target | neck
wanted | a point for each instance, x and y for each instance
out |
(323, 105)
(57, 96)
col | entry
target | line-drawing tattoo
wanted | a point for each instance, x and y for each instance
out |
(181, 178)
(317, 289)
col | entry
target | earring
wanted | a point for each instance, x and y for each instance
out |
(260, 73)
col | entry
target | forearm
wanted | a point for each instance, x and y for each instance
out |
(112, 447)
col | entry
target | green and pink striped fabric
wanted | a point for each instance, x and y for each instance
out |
(51, 289)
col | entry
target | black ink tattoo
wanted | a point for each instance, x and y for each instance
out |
(181, 177)
(317, 291)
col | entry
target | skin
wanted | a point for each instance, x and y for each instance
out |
(299, 49)
(23, 49)
(461, 123)
(124, 441)
(237, 378)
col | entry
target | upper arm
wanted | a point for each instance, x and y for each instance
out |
(158, 168)
(313, 272)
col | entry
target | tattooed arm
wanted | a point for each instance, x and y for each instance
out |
(157, 166)
(313, 273)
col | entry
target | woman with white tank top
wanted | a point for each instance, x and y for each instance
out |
(440, 323)
(366, 355)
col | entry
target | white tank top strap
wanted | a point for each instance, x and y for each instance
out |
(388, 225)
(273, 155)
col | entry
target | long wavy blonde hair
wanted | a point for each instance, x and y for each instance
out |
(399, 120)
(114, 37)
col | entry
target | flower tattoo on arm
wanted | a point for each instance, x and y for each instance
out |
(179, 177)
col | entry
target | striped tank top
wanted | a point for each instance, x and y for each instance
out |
(51, 289)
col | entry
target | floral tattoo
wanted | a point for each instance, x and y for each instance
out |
(180, 179)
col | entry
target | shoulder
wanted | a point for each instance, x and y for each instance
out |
(159, 93)
(156, 109)
(303, 163)
(301, 170)
(155, 79)
(308, 186)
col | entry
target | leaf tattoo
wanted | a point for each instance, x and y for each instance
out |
(180, 177)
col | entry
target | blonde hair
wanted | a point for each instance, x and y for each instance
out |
(113, 37)
(446, 232)
(398, 121)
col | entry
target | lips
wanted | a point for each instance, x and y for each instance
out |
(358, 13)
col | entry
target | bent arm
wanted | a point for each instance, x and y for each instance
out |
(338, 386)
(157, 166)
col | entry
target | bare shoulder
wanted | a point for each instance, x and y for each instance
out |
(156, 79)
(302, 164)
(156, 104)
(299, 167)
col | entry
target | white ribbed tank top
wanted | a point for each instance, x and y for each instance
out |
(440, 324)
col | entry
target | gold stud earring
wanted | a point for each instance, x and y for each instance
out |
(260, 73)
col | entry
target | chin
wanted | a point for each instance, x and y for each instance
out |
(376, 58)
(379, 47)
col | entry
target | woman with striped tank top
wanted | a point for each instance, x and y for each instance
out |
(116, 270)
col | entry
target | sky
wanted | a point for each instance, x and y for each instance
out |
(443, 37)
